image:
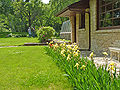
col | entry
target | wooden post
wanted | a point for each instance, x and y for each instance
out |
(77, 27)
(72, 20)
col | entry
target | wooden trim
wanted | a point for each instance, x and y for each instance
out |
(108, 3)
(97, 10)
(110, 10)
(65, 9)
(75, 27)
(79, 6)
(110, 19)
(89, 32)
(108, 31)
(65, 32)
(112, 27)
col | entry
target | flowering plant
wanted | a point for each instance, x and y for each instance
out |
(45, 33)
(83, 73)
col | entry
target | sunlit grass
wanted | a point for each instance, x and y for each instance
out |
(29, 68)
(17, 41)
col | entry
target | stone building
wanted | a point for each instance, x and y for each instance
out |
(95, 24)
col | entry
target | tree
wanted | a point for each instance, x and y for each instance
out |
(5, 7)
(3, 23)
(21, 14)
(5, 10)
(29, 12)
(58, 5)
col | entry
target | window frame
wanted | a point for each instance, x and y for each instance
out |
(113, 18)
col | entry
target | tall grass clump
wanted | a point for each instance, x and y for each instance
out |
(81, 72)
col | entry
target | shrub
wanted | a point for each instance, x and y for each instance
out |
(45, 33)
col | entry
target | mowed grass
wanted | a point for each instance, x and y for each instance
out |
(17, 41)
(30, 68)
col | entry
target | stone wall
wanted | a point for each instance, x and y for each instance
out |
(101, 39)
(65, 35)
(82, 34)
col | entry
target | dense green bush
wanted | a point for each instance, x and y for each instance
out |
(45, 33)
(81, 72)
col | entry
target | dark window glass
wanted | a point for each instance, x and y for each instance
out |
(102, 2)
(102, 9)
(116, 13)
(108, 1)
(108, 23)
(102, 24)
(102, 16)
(116, 4)
(109, 7)
(109, 13)
(116, 22)
(82, 24)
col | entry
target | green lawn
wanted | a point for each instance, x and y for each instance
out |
(30, 68)
(16, 41)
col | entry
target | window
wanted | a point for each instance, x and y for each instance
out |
(82, 21)
(108, 13)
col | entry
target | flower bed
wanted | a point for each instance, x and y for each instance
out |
(81, 72)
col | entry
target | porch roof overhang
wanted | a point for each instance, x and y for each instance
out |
(76, 7)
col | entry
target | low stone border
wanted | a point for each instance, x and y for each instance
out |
(34, 44)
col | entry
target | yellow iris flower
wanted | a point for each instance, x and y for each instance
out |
(75, 54)
(76, 65)
(105, 53)
(78, 51)
(91, 55)
(83, 67)
(112, 64)
(112, 68)
(68, 58)
(56, 46)
(62, 52)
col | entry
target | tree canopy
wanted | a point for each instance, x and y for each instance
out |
(18, 15)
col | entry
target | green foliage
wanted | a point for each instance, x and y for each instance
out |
(20, 14)
(28, 13)
(58, 5)
(5, 7)
(89, 78)
(45, 33)
(3, 23)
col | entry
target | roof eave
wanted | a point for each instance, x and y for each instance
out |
(65, 9)
(71, 9)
